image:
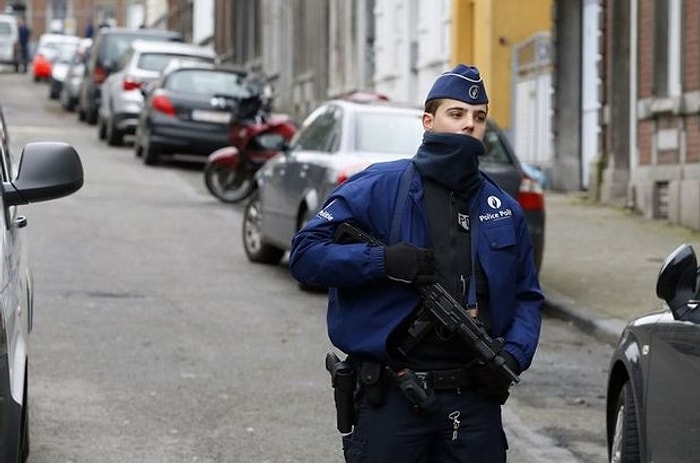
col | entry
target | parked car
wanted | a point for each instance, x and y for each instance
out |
(122, 100)
(109, 46)
(50, 47)
(75, 72)
(188, 110)
(343, 137)
(60, 65)
(9, 41)
(43, 171)
(654, 376)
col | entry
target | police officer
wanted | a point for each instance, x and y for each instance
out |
(444, 221)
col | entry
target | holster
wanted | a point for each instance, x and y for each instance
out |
(344, 381)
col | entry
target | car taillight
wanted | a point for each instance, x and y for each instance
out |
(348, 171)
(100, 75)
(342, 177)
(530, 195)
(129, 83)
(162, 104)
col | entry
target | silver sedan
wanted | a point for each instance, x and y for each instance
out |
(342, 137)
(122, 100)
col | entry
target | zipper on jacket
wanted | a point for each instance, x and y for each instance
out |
(454, 242)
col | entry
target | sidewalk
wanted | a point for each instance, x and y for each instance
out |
(601, 263)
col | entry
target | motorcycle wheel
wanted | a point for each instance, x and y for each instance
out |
(226, 184)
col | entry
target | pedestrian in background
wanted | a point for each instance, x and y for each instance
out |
(443, 221)
(89, 29)
(24, 35)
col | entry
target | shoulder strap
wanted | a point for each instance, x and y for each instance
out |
(474, 236)
(400, 204)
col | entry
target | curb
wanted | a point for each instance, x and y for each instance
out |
(563, 307)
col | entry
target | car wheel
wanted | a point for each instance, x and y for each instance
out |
(24, 427)
(625, 439)
(255, 247)
(66, 102)
(101, 129)
(91, 116)
(113, 135)
(150, 154)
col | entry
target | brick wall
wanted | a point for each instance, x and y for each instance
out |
(645, 48)
(645, 132)
(692, 131)
(691, 42)
(82, 12)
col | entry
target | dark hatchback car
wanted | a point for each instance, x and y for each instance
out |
(188, 110)
(342, 137)
(653, 411)
(108, 48)
(43, 171)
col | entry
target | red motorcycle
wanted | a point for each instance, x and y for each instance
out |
(256, 135)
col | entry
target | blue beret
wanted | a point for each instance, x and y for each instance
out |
(463, 83)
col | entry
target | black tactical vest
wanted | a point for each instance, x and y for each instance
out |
(448, 225)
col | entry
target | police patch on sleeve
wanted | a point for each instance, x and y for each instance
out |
(327, 212)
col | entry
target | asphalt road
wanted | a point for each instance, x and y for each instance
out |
(155, 340)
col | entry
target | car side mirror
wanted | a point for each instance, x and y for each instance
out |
(47, 170)
(677, 282)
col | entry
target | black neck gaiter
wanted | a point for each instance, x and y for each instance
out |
(452, 160)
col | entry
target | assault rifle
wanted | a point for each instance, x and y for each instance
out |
(445, 310)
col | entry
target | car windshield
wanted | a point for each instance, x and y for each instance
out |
(390, 132)
(116, 45)
(496, 151)
(158, 61)
(66, 52)
(206, 82)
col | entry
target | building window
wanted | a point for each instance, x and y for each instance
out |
(675, 47)
(667, 48)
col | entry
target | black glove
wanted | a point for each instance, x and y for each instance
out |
(492, 383)
(409, 264)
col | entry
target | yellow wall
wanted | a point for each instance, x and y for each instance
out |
(483, 33)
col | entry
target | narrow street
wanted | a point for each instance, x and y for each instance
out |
(156, 340)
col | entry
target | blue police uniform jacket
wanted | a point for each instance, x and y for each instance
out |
(364, 306)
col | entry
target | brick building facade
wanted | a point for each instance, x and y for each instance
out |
(665, 179)
(648, 76)
(68, 16)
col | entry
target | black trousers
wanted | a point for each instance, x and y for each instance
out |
(395, 432)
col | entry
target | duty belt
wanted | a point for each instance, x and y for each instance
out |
(453, 378)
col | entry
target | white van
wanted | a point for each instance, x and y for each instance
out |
(9, 40)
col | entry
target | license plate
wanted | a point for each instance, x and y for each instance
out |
(217, 117)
